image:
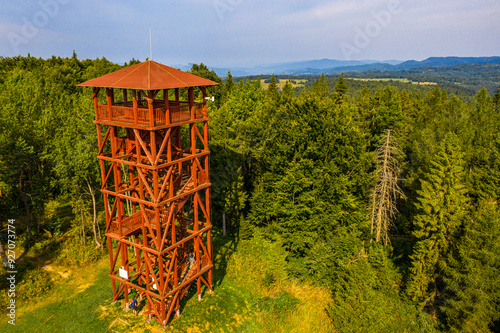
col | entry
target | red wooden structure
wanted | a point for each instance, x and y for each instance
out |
(153, 153)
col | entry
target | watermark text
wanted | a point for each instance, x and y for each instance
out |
(12, 272)
(47, 9)
(372, 29)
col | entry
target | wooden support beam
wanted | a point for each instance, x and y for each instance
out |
(144, 147)
(163, 145)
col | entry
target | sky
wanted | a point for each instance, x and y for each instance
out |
(245, 33)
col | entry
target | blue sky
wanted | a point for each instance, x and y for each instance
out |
(225, 33)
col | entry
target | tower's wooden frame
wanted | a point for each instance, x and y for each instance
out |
(149, 176)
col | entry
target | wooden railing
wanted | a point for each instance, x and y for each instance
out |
(129, 224)
(126, 114)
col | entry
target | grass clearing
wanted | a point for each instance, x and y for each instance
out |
(281, 83)
(82, 303)
(251, 294)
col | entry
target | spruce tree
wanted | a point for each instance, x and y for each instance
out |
(227, 87)
(340, 90)
(473, 284)
(320, 87)
(288, 94)
(441, 208)
(272, 93)
(496, 100)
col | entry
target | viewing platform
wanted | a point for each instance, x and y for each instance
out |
(156, 116)
(153, 151)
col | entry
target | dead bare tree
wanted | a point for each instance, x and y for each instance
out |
(387, 190)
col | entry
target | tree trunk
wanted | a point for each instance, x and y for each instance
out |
(5, 262)
(25, 206)
(223, 223)
(83, 227)
(97, 232)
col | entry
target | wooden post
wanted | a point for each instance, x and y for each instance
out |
(150, 109)
(134, 105)
(96, 102)
(204, 91)
(197, 247)
(109, 102)
(205, 147)
(194, 172)
(155, 170)
(125, 100)
(166, 105)
(209, 234)
(191, 102)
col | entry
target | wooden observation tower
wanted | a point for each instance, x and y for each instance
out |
(153, 154)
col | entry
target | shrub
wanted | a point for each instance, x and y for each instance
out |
(280, 304)
(36, 283)
(284, 304)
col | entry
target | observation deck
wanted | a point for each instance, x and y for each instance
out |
(158, 116)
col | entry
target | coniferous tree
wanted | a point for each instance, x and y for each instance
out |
(365, 109)
(441, 208)
(272, 93)
(472, 302)
(287, 94)
(226, 88)
(320, 87)
(340, 90)
(482, 135)
(496, 100)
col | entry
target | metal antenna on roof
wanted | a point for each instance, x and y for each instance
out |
(150, 45)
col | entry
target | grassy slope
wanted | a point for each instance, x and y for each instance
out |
(81, 303)
(80, 299)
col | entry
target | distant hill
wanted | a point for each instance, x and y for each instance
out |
(331, 66)
(298, 67)
(446, 61)
(407, 65)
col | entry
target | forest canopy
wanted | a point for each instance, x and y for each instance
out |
(317, 170)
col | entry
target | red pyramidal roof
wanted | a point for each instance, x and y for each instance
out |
(148, 75)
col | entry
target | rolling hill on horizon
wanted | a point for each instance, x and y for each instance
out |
(331, 66)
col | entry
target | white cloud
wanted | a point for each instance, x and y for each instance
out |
(254, 30)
